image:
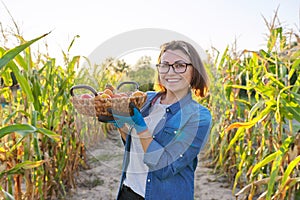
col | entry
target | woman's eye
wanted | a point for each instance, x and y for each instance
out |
(179, 65)
(164, 66)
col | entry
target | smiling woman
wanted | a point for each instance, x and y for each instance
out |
(186, 55)
(177, 80)
(164, 138)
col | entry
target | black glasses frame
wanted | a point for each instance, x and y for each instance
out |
(172, 65)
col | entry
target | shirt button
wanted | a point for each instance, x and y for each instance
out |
(148, 180)
(175, 132)
(180, 155)
(168, 110)
(153, 136)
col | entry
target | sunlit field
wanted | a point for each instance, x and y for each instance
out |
(254, 98)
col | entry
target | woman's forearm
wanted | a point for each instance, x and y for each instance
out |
(123, 131)
(146, 139)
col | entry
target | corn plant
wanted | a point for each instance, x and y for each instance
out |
(257, 129)
(40, 147)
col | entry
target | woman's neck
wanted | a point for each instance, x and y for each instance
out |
(170, 97)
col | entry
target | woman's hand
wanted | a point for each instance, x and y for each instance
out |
(107, 119)
(136, 120)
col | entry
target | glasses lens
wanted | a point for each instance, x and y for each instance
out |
(179, 67)
(163, 68)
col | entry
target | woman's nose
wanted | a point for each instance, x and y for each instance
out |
(171, 70)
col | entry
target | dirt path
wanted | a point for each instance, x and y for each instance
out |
(101, 181)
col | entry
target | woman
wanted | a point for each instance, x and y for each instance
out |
(162, 140)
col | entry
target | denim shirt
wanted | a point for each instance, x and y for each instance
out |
(172, 154)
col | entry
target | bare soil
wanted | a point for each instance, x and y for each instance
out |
(101, 179)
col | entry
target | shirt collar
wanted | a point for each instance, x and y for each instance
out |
(176, 106)
(179, 104)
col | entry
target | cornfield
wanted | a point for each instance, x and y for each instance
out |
(254, 100)
(255, 103)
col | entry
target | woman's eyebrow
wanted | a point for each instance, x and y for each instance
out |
(180, 61)
(177, 61)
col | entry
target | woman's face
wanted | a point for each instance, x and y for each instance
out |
(179, 84)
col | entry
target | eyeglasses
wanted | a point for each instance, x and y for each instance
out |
(178, 68)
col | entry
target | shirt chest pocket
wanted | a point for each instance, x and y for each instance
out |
(165, 136)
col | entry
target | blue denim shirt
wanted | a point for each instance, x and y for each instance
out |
(172, 155)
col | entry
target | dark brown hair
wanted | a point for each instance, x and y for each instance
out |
(200, 80)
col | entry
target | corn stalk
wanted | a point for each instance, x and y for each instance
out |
(256, 138)
(40, 147)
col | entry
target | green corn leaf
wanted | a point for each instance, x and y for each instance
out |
(221, 151)
(72, 64)
(267, 91)
(35, 139)
(14, 113)
(21, 62)
(247, 103)
(239, 133)
(7, 195)
(240, 172)
(31, 164)
(223, 58)
(22, 129)
(276, 166)
(274, 80)
(16, 145)
(272, 181)
(295, 95)
(241, 87)
(251, 123)
(10, 54)
(237, 176)
(273, 38)
(264, 162)
(24, 84)
(293, 108)
(289, 170)
(296, 85)
(242, 124)
(295, 54)
(295, 66)
(50, 134)
(18, 168)
(255, 108)
(2, 51)
(264, 54)
(76, 36)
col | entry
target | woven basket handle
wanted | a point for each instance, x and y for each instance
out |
(83, 87)
(128, 82)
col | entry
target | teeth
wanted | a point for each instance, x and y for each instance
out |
(172, 80)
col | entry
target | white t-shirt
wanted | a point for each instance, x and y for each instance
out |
(137, 171)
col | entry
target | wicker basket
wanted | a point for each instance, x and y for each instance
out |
(97, 106)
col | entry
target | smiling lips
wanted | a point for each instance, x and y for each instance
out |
(172, 80)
